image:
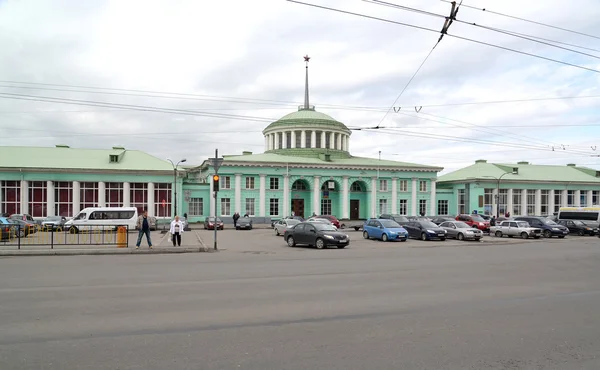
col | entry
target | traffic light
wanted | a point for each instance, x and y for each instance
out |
(215, 182)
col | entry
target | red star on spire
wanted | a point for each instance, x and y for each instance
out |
(306, 58)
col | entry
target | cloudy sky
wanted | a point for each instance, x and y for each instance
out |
(199, 75)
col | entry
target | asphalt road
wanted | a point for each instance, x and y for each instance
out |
(387, 306)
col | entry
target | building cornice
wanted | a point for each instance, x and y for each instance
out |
(332, 166)
(91, 171)
(508, 181)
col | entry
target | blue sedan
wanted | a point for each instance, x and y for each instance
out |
(384, 229)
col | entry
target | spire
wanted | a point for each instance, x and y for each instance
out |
(306, 102)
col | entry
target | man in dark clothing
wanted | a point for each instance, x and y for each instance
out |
(493, 221)
(236, 217)
(143, 225)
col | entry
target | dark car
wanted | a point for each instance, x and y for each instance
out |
(210, 223)
(321, 235)
(441, 219)
(53, 223)
(425, 230)
(7, 229)
(578, 227)
(244, 223)
(25, 227)
(400, 219)
(549, 227)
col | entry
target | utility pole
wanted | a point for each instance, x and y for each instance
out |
(175, 183)
(216, 162)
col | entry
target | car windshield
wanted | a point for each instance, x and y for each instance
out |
(428, 224)
(293, 222)
(522, 224)
(578, 223)
(478, 218)
(389, 224)
(462, 225)
(324, 227)
(548, 222)
(54, 218)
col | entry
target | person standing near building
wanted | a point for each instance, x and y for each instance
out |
(236, 217)
(176, 231)
(143, 225)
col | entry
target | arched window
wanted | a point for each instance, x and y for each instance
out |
(299, 185)
(356, 186)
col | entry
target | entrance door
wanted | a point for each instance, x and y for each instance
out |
(298, 207)
(354, 209)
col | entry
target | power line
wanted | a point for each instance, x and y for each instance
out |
(527, 20)
(448, 34)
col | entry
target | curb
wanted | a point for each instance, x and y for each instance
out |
(96, 252)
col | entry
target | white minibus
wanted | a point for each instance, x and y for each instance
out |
(106, 218)
(579, 213)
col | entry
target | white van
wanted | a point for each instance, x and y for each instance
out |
(105, 218)
(580, 213)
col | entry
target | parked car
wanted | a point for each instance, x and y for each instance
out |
(461, 231)
(578, 227)
(549, 227)
(319, 234)
(516, 228)
(25, 228)
(244, 223)
(321, 221)
(54, 223)
(485, 217)
(332, 219)
(7, 229)
(400, 219)
(475, 221)
(26, 217)
(425, 230)
(284, 224)
(384, 230)
(418, 218)
(298, 218)
(186, 224)
(440, 219)
(210, 223)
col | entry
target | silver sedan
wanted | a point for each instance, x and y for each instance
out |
(461, 231)
(282, 225)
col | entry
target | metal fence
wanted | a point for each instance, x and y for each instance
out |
(17, 235)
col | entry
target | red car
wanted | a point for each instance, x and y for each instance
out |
(332, 219)
(210, 223)
(475, 221)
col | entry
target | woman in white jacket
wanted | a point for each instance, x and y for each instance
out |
(176, 231)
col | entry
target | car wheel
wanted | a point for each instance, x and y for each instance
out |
(365, 235)
(291, 242)
(460, 236)
(423, 236)
(342, 226)
(319, 243)
(498, 234)
(356, 228)
(21, 233)
(384, 238)
(547, 234)
(524, 235)
(73, 230)
(581, 233)
(277, 232)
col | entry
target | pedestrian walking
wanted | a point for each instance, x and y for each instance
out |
(176, 231)
(493, 221)
(236, 217)
(143, 225)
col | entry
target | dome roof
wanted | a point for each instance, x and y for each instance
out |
(307, 118)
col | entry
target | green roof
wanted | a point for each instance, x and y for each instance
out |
(64, 157)
(482, 170)
(307, 117)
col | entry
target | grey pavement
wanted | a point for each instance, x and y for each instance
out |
(261, 305)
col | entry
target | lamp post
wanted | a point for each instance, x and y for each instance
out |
(497, 197)
(175, 182)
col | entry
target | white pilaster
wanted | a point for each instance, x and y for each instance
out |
(323, 137)
(24, 196)
(565, 198)
(495, 200)
(524, 202)
(303, 139)
(590, 198)
(127, 194)
(286, 196)
(284, 139)
(374, 197)
(577, 200)
(317, 195)
(345, 199)
(262, 196)
(50, 203)
(293, 138)
(538, 202)
(413, 201)
(102, 194)
(509, 201)
(551, 204)
(76, 198)
(211, 194)
(238, 193)
(433, 201)
(394, 195)
(151, 207)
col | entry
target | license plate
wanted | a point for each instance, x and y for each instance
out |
(565, 232)
(440, 234)
(343, 240)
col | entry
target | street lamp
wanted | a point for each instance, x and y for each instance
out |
(175, 181)
(497, 197)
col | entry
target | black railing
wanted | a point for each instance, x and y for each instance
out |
(17, 235)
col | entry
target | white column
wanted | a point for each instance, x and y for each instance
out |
(323, 137)
(271, 142)
(211, 211)
(24, 196)
(317, 195)
(565, 198)
(509, 201)
(374, 197)
(102, 194)
(551, 204)
(577, 199)
(339, 141)
(50, 204)
(293, 138)
(127, 194)
(238, 193)
(283, 140)
(345, 199)
(347, 138)
(495, 200)
(413, 205)
(151, 202)
(313, 139)
(524, 202)
(433, 200)
(394, 195)
(538, 202)
(263, 195)
(590, 198)
(286, 196)
(266, 143)
(1, 203)
(76, 197)
(303, 139)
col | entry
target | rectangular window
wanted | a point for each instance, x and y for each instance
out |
(570, 198)
(383, 208)
(558, 198)
(383, 185)
(403, 207)
(11, 196)
(442, 208)
(225, 206)
(531, 202)
(138, 195)
(318, 139)
(583, 198)
(63, 198)
(249, 182)
(516, 209)
(37, 199)
(596, 197)
(308, 138)
(461, 201)
(274, 206)
(488, 200)
(114, 194)
(250, 206)
(225, 182)
(544, 203)
(423, 186)
(328, 140)
(502, 202)
(196, 207)
(403, 185)
(279, 140)
(422, 207)
(325, 206)
(274, 183)
(88, 195)
(298, 139)
(162, 199)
